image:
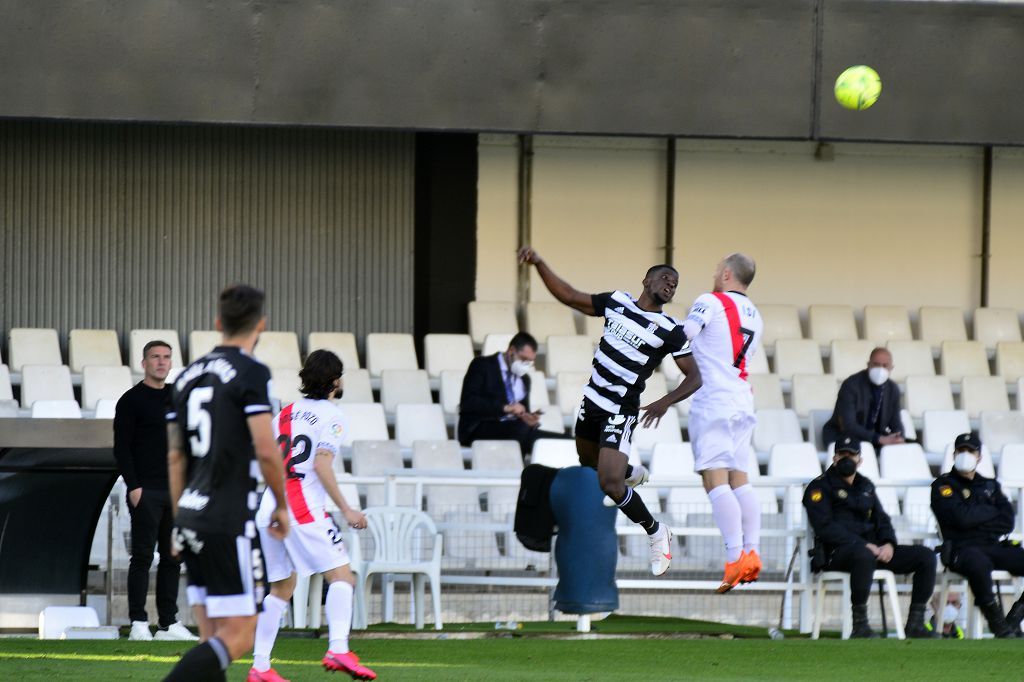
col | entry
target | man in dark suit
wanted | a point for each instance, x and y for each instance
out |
(868, 405)
(495, 402)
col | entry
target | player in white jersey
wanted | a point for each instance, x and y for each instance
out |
(724, 329)
(309, 433)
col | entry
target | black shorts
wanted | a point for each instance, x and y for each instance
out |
(608, 430)
(225, 572)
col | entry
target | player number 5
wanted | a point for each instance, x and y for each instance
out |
(199, 422)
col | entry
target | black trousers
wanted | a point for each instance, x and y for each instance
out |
(151, 527)
(513, 429)
(860, 563)
(977, 563)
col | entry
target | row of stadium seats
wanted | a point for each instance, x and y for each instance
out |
(825, 323)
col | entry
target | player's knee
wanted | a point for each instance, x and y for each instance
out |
(283, 589)
(864, 558)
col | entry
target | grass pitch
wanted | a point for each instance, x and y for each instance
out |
(545, 651)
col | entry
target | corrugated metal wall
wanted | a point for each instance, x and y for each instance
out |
(139, 226)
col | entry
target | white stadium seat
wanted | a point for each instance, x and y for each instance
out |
(1001, 428)
(496, 343)
(446, 351)
(390, 351)
(376, 458)
(590, 326)
(451, 392)
(491, 317)
(342, 344)
(365, 422)
(552, 419)
(757, 362)
(986, 467)
(93, 347)
(983, 393)
(539, 397)
(201, 342)
(554, 452)
(56, 409)
(356, 387)
(941, 427)
(781, 321)
(938, 324)
(278, 350)
(441, 499)
(813, 392)
(992, 325)
(767, 391)
(496, 455)
(850, 356)
(775, 427)
(568, 354)
(963, 358)
(105, 408)
(828, 323)
(910, 358)
(33, 346)
(285, 385)
(544, 318)
(1010, 360)
(655, 388)
(797, 356)
(100, 382)
(1011, 463)
(884, 323)
(45, 382)
(925, 393)
(666, 431)
(671, 460)
(6, 390)
(138, 338)
(905, 461)
(419, 422)
(569, 390)
(410, 386)
(794, 460)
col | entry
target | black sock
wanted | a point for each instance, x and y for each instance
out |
(202, 663)
(629, 470)
(637, 512)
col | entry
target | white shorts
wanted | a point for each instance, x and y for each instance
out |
(721, 440)
(307, 549)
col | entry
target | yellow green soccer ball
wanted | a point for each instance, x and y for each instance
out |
(858, 87)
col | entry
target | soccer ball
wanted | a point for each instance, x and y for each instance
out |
(858, 87)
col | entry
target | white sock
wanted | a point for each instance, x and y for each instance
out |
(267, 625)
(750, 508)
(339, 615)
(726, 510)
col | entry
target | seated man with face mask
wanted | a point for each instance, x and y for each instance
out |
(868, 405)
(495, 403)
(973, 514)
(853, 534)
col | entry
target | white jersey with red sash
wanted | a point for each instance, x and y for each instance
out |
(725, 331)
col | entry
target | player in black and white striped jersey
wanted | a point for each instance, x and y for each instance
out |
(637, 336)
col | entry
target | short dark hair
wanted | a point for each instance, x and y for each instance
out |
(523, 339)
(318, 375)
(742, 266)
(654, 269)
(240, 309)
(156, 343)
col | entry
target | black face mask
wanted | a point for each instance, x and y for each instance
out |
(846, 466)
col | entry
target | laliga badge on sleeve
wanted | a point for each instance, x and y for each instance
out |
(946, 491)
(816, 496)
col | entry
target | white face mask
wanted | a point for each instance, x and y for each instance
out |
(950, 613)
(878, 375)
(520, 367)
(965, 462)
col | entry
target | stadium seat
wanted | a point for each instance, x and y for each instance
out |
(813, 392)
(496, 343)
(356, 387)
(885, 323)
(909, 429)
(105, 408)
(797, 356)
(201, 342)
(365, 422)
(279, 350)
(1010, 360)
(992, 325)
(467, 545)
(794, 460)
(138, 338)
(986, 467)
(907, 462)
(947, 580)
(56, 409)
(767, 391)
(451, 393)
(546, 318)
(672, 460)
(781, 321)
(342, 344)
(910, 358)
(590, 326)
(925, 393)
(666, 431)
(671, 370)
(849, 357)
(45, 382)
(816, 420)
(6, 390)
(9, 408)
(377, 458)
(539, 398)
(441, 499)
(419, 422)
(828, 323)
(569, 390)
(1011, 464)
(33, 346)
(757, 362)
(498, 456)
(941, 427)
(491, 317)
(568, 354)
(983, 393)
(999, 428)
(553, 419)
(410, 386)
(93, 347)
(285, 385)
(655, 388)
(938, 324)
(963, 358)
(821, 586)
(389, 351)
(776, 427)
(104, 382)
(446, 351)
(556, 453)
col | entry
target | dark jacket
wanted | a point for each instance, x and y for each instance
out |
(853, 406)
(483, 395)
(843, 514)
(971, 512)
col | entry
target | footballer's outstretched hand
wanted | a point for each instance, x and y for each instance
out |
(527, 256)
(279, 523)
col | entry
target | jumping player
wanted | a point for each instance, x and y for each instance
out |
(219, 423)
(309, 433)
(724, 329)
(637, 336)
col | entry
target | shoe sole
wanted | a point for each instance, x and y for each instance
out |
(669, 564)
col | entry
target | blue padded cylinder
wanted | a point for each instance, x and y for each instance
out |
(586, 549)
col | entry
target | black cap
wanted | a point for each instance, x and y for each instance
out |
(971, 441)
(847, 444)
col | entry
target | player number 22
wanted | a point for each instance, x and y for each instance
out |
(300, 449)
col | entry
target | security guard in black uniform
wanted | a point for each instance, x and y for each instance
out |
(852, 533)
(973, 515)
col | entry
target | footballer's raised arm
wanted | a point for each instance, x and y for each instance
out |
(559, 288)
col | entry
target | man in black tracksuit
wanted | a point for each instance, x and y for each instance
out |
(857, 537)
(973, 514)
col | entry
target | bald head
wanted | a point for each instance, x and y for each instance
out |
(742, 267)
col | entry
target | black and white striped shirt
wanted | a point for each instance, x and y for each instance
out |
(632, 346)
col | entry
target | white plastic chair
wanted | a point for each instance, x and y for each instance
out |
(445, 352)
(342, 344)
(419, 422)
(356, 385)
(983, 393)
(1001, 428)
(398, 536)
(781, 321)
(938, 324)
(767, 390)
(963, 358)
(827, 323)
(93, 347)
(202, 341)
(992, 325)
(545, 318)
(104, 382)
(491, 317)
(911, 358)
(774, 427)
(45, 382)
(924, 393)
(366, 421)
(1010, 360)
(404, 386)
(797, 356)
(390, 351)
(821, 585)
(941, 427)
(56, 409)
(569, 354)
(554, 452)
(33, 346)
(813, 392)
(849, 356)
(947, 579)
(884, 323)
(278, 350)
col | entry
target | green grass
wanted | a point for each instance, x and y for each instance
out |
(537, 655)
